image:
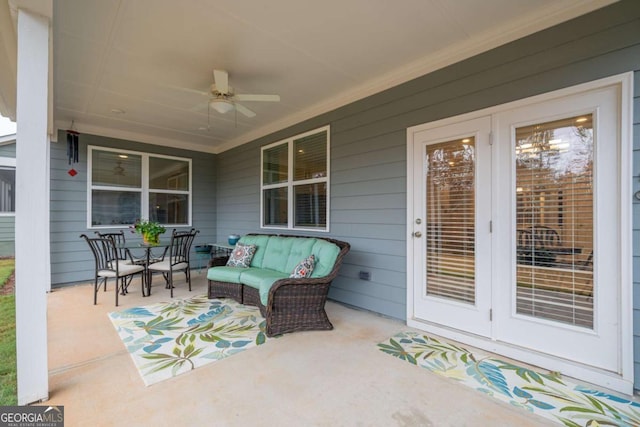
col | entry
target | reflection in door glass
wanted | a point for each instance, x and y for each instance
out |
(554, 213)
(450, 207)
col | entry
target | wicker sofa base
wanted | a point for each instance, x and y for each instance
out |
(225, 290)
(251, 296)
(307, 314)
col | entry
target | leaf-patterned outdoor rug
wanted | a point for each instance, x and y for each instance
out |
(547, 395)
(170, 338)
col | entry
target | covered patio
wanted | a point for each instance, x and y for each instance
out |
(134, 80)
(320, 378)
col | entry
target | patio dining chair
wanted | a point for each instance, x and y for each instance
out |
(119, 240)
(124, 255)
(175, 258)
(108, 265)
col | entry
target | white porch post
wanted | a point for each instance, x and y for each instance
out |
(32, 244)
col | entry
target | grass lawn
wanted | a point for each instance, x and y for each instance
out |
(8, 382)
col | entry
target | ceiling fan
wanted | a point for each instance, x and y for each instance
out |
(224, 99)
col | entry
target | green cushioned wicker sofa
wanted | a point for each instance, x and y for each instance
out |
(288, 304)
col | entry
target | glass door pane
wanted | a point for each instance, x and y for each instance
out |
(554, 217)
(450, 207)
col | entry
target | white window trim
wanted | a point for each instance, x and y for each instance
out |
(144, 190)
(8, 162)
(290, 184)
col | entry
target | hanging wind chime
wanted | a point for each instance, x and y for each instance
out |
(72, 149)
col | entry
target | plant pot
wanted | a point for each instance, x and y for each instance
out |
(150, 239)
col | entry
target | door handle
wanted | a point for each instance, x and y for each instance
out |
(417, 234)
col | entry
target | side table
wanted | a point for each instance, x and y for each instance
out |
(203, 254)
(220, 253)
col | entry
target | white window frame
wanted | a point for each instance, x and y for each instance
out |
(144, 189)
(8, 162)
(290, 183)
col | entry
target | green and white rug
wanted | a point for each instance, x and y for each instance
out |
(547, 395)
(170, 338)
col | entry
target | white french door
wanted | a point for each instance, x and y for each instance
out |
(558, 176)
(519, 224)
(450, 227)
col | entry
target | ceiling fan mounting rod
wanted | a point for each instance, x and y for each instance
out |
(215, 92)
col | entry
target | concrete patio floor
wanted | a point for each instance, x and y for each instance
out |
(324, 378)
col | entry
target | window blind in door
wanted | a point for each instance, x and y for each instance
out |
(554, 220)
(450, 213)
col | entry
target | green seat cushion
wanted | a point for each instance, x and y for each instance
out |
(261, 247)
(262, 280)
(225, 274)
(277, 254)
(326, 254)
(300, 249)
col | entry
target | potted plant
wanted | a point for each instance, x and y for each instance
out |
(150, 231)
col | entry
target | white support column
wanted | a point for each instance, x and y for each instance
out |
(33, 277)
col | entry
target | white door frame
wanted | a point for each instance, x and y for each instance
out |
(622, 381)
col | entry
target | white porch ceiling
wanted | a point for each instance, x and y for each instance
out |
(143, 56)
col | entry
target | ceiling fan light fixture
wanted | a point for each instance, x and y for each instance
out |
(222, 106)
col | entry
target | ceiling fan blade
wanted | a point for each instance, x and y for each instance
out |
(221, 79)
(246, 97)
(244, 110)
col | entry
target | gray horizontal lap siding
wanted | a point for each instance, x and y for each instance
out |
(7, 223)
(8, 150)
(7, 228)
(368, 146)
(7, 236)
(71, 260)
